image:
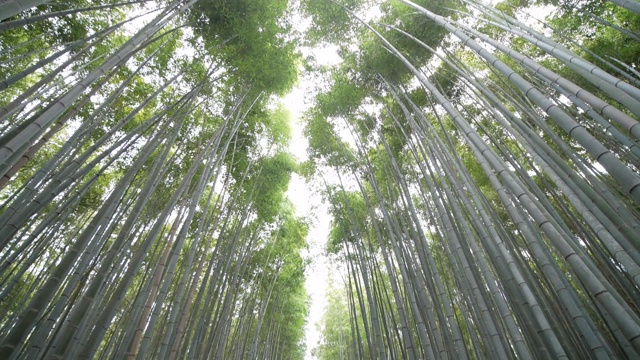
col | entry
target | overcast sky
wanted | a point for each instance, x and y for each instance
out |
(309, 204)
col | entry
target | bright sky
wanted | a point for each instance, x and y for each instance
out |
(308, 203)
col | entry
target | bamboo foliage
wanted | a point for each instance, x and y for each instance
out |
(141, 212)
(489, 196)
(482, 173)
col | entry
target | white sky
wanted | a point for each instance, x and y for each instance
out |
(308, 203)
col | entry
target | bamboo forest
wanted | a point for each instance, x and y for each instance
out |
(477, 164)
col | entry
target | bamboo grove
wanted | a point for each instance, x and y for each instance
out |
(144, 171)
(481, 167)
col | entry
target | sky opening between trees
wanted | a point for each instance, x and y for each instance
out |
(480, 163)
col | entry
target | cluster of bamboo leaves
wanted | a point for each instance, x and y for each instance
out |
(482, 170)
(144, 169)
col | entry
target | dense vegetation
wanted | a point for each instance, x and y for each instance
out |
(145, 167)
(481, 168)
(487, 194)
